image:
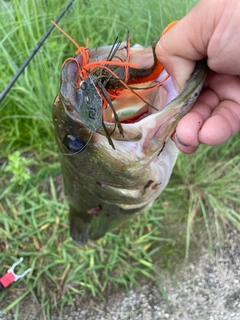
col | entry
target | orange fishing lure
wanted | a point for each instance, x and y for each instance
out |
(100, 82)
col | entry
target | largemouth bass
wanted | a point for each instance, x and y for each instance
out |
(112, 172)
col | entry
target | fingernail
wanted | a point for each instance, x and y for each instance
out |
(179, 141)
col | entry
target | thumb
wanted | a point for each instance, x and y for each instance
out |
(184, 43)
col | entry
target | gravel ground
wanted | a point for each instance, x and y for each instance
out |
(206, 289)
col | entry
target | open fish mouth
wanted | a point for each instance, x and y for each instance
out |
(113, 131)
(145, 113)
(135, 102)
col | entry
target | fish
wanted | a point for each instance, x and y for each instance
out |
(115, 146)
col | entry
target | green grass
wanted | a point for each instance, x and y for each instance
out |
(201, 199)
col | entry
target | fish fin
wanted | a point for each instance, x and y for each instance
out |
(80, 238)
(79, 230)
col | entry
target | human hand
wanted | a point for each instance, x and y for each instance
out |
(211, 29)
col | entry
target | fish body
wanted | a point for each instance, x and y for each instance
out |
(106, 186)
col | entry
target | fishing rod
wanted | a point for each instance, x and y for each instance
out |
(34, 51)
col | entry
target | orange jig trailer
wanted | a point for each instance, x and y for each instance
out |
(100, 82)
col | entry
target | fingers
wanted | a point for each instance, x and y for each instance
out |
(222, 125)
(224, 121)
(211, 121)
(211, 29)
(188, 128)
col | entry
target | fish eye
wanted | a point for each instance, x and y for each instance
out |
(83, 85)
(73, 144)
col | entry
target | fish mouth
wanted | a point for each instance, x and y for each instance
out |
(154, 101)
(149, 118)
(109, 110)
(130, 108)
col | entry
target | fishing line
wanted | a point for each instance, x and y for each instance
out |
(34, 51)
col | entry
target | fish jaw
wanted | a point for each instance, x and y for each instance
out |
(124, 181)
(165, 121)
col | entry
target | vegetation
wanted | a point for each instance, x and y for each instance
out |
(202, 197)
